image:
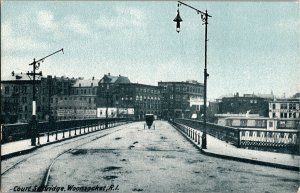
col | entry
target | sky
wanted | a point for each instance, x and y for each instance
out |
(253, 47)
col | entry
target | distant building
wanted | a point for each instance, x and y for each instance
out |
(16, 98)
(107, 90)
(283, 114)
(242, 104)
(144, 99)
(126, 99)
(181, 99)
(284, 108)
(79, 103)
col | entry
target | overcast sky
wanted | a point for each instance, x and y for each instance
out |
(252, 47)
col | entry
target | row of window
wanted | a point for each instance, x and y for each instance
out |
(71, 107)
(15, 89)
(184, 88)
(145, 90)
(140, 98)
(285, 106)
(89, 99)
(288, 115)
(84, 91)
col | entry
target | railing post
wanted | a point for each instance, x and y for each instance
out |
(38, 136)
(75, 131)
(199, 138)
(48, 133)
(63, 133)
(55, 131)
(70, 132)
(239, 138)
(48, 136)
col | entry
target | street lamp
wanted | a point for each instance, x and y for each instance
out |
(204, 18)
(106, 111)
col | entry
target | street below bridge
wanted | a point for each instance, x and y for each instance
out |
(130, 158)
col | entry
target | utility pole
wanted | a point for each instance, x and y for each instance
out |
(36, 65)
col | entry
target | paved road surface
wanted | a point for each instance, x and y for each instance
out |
(132, 158)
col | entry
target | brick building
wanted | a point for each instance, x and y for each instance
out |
(16, 94)
(16, 98)
(242, 104)
(181, 99)
(78, 103)
(144, 99)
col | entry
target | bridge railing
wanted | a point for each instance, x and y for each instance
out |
(15, 132)
(287, 141)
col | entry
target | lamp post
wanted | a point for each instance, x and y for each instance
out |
(204, 18)
(106, 111)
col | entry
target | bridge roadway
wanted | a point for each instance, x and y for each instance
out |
(136, 159)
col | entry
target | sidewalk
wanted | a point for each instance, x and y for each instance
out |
(221, 149)
(16, 148)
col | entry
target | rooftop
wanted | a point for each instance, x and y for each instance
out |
(86, 83)
(107, 78)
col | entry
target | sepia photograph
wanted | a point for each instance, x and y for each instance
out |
(150, 96)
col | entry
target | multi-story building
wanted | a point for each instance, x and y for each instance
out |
(129, 99)
(16, 94)
(107, 90)
(78, 103)
(284, 108)
(144, 99)
(242, 104)
(181, 99)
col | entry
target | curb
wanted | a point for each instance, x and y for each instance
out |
(23, 152)
(239, 159)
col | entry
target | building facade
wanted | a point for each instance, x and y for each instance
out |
(242, 104)
(181, 99)
(16, 98)
(78, 103)
(284, 108)
(126, 99)
(144, 99)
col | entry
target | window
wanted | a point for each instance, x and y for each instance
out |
(7, 90)
(270, 124)
(283, 106)
(243, 122)
(24, 89)
(292, 106)
(274, 106)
